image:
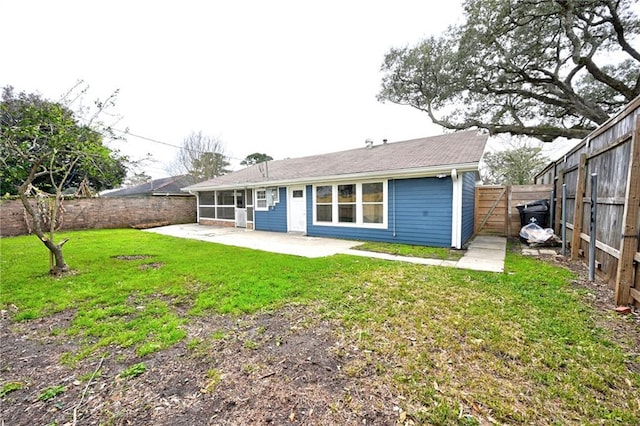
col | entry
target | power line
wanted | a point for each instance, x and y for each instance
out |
(126, 132)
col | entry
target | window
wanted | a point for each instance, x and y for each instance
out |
(222, 205)
(208, 212)
(372, 202)
(347, 203)
(228, 213)
(207, 198)
(261, 199)
(351, 204)
(266, 197)
(226, 198)
(297, 193)
(324, 201)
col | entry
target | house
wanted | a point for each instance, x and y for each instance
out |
(158, 187)
(418, 192)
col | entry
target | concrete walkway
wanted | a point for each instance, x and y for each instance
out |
(483, 254)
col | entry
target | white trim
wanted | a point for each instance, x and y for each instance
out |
(456, 210)
(366, 176)
(359, 223)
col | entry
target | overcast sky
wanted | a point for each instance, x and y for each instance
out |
(287, 78)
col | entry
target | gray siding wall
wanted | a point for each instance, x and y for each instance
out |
(275, 219)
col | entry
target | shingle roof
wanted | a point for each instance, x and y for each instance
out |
(163, 186)
(430, 153)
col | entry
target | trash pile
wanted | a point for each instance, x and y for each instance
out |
(534, 219)
(534, 233)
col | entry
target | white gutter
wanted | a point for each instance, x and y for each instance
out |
(387, 174)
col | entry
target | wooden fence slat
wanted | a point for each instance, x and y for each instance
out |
(629, 239)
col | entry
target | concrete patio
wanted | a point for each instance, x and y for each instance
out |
(484, 253)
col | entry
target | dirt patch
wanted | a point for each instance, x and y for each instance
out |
(133, 256)
(154, 265)
(273, 368)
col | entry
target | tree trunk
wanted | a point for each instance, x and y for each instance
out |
(59, 266)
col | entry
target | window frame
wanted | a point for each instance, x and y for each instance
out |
(259, 198)
(359, 204)
(316, 204)
(275, 196)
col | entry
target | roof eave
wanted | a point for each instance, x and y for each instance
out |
(431, 171)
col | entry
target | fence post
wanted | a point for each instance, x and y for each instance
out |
(559, 184)
(593, 227)
(564, 219)
(579, 207)
(552, 208)
(629, 239)
(507, 219)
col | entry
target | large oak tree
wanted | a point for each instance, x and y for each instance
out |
(542, 68)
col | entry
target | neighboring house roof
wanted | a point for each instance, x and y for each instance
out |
(424, 156)
(165, 186)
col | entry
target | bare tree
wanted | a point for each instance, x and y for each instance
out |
(201, 156)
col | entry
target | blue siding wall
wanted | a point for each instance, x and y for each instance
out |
(468, 204)
(275, 219)
(423, 208)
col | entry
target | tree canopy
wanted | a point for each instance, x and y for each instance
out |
(201, 156)
(542, 68)
(44, 150)
(255, 158)
(43, 144)
(516, 165)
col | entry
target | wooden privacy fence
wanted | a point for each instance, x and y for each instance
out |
(496, 211)
(613, 152)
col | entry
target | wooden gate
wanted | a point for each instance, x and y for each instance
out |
(496, 211)
(491, 210)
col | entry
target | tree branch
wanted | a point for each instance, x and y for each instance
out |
(619, 29)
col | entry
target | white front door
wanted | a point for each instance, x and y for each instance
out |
(297, 209)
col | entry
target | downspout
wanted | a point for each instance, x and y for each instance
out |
(456, 211)
(394, 208)
(197, 206)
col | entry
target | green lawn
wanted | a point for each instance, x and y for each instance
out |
(411, 251)
(520, 347)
